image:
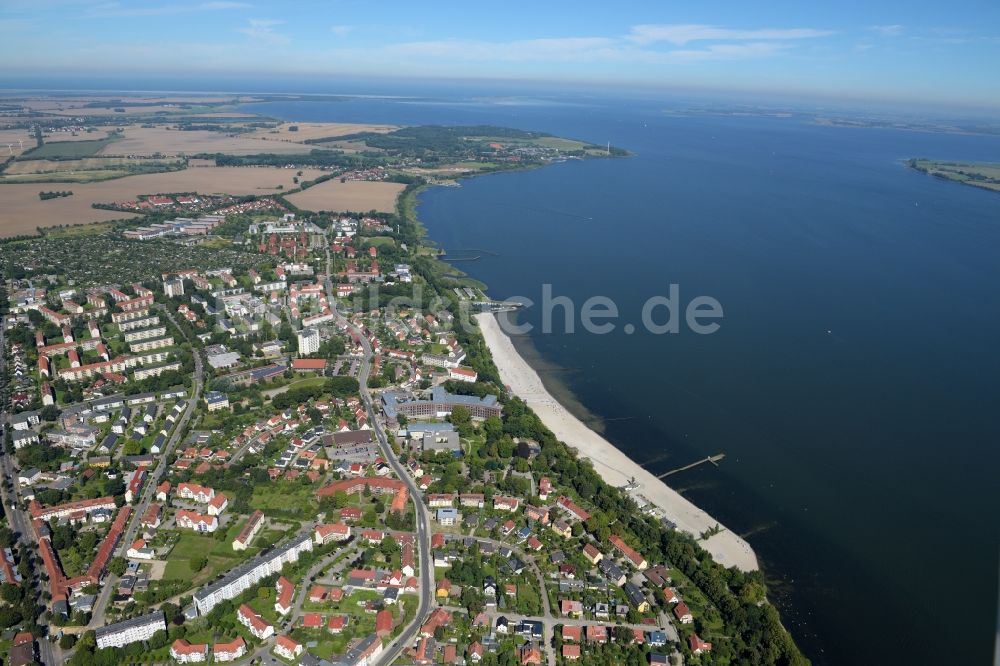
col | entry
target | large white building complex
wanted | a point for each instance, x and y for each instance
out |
(249, 573)
(130, 631)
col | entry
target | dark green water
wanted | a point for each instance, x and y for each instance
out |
(853, 383)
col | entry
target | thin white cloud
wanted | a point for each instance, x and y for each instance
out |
(114, 10)
(569, 49)
(894, 30)
(341, 30)
(681, 34)
(215, 6)
(14, 25)
(729, 51)
(262, 30)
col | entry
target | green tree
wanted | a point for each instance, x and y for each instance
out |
(117, 565)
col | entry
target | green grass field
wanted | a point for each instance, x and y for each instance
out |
(287, 498)
(381, 241)
(220, 555)
(67, 149)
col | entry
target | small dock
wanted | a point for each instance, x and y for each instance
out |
(497, 306)
(710, 459)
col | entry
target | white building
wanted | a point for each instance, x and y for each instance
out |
(173, 287)
(130, 631)
(308, 341)
(187, 653)
(250, 573)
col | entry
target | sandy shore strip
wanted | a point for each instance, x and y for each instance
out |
(615, 467)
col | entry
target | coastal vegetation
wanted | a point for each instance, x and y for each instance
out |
(746, 628)
(977, 174)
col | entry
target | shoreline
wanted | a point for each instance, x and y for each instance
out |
(616, 468)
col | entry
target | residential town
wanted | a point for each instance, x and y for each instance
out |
(276, 463)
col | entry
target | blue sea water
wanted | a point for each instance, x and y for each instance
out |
(853, 382)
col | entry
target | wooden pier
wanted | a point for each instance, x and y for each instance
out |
(710, 459)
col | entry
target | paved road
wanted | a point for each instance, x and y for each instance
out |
(48, 652)
(409, 633)
(149, 490)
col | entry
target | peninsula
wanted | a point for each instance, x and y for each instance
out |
(985, 175)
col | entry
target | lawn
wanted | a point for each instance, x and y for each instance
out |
(220, 555)
(381, 241)
(309, 382)
(285, 498)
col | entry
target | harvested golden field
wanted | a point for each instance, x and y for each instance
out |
(354, 195)
(21, 211)
(149, 140)
(318, 130)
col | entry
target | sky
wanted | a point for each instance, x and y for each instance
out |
(945, 53)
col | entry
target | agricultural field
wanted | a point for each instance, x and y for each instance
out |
(19, 140)
(85, 170)
(22, 212)
(312, 131)
(68, 149)
(88, 134)
(162, 140)
(353, 195)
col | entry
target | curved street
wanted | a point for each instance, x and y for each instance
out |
(426, 572)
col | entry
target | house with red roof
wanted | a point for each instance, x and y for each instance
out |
(630, 553)
(249, 618)
(287, 647)
(286, 591)
(572, 508)
(571, 652)
(383, 623)
(193, 520)
(188, 653)
(474, 652)
(571, 608)
(597, 633)
(312, 621)
(530, 654)
(231, 651)
(328, 532)
(683, 613)
(337, 624)
(217, 505)
(309, 364)
(697, 645)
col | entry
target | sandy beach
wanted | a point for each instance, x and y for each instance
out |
(614, 466)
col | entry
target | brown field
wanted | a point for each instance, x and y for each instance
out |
(318, 130)
(354, 195)
(12, 136)
(21, 211)
(149, 140)
(96, 135)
